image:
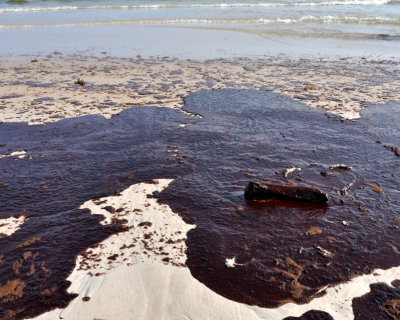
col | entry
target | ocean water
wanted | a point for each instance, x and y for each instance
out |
(343, 19)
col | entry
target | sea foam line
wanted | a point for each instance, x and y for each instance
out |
(215, 5)
(305, 19)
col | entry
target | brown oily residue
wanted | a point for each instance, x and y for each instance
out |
(313, 231)
(267, 237)
(28, 242)
(382, 302)
(12, 290)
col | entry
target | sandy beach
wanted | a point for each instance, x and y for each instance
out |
(122, 178)
(45, 91)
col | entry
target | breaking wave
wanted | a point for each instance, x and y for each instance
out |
(212, 5)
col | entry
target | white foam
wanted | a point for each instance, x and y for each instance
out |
(211, 5)
(305, 19)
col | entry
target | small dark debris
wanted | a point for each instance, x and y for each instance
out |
(110, 209)
(113, 257)
(80, 82)
(145, 224)
(394, 149)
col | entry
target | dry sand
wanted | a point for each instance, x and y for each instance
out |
(10, 225)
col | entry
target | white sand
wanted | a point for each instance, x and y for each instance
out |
(10, 225)
(165, 225)
(140, 285)
(16, 154)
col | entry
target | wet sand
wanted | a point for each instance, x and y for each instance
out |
(205, 146)
(184, 42)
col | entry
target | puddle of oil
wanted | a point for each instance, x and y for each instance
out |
(244, 135)
(312, 315)
(382, 302)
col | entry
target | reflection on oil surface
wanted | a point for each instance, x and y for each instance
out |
(284, 251)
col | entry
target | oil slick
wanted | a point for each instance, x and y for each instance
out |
(265, 237)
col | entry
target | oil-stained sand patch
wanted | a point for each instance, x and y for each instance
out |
(151, 232)
(243, 135)
(133, 265)
(81, 163)
(9, 225)
(47, 91)
(12, 290)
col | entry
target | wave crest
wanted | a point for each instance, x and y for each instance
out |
(215, 5)
(305, 19)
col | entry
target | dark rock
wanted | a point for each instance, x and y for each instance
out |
(257, 190)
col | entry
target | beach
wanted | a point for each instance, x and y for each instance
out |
(129, 131)
(45, 91)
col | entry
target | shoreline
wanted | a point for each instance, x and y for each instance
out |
(198, 42)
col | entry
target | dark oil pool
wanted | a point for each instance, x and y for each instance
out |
(244, 135)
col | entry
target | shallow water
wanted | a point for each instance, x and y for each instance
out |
(343, 19)
(244, 135)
